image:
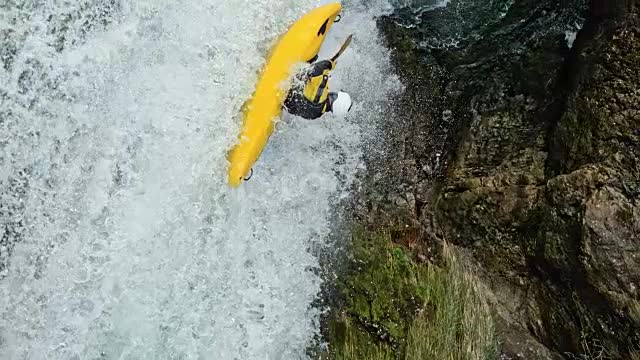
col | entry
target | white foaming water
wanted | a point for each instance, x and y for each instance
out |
(126, 242)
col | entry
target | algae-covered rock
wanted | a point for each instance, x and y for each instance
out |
(396, 308)
(382, 288)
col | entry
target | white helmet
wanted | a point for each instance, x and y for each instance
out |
(341, 104)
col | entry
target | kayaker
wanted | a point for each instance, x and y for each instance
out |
(310, 97)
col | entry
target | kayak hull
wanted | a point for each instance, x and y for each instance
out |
(301, 43)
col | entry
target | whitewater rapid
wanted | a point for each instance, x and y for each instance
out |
(119, 236)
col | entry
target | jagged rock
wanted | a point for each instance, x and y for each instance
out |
(609, 247)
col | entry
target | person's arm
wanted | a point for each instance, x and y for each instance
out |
(321, 66)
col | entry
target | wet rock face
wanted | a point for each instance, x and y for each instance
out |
(583, 257)
(599, 121)
(542, 148)
(611, 224)
(592, 236)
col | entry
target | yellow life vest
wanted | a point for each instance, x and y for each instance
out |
(317, 89)
(310, 100)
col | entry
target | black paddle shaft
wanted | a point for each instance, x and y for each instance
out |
(343, 48)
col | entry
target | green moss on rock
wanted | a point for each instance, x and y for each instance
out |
(382, 290)
(396, 308)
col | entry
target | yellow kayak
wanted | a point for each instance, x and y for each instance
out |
(302, 42)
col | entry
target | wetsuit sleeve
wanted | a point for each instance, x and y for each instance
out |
(321, 66)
